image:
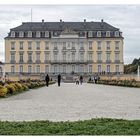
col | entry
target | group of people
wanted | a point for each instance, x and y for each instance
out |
(96, 78)
(79, 80)
(47, 79)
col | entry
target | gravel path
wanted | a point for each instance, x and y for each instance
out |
(72, 102)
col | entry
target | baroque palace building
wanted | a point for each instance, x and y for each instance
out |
(64, 47)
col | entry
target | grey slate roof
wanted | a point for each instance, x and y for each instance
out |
(59, 26)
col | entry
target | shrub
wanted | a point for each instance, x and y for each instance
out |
(11, 89)
(19, 86)
(25, 87)
(3, 91)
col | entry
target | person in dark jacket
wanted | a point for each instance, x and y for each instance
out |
(59, 80)
(81, 79)
(47, 79)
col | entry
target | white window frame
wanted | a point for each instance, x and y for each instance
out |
(21, 68)
(116, 33)
(108, 34)
(99, 45)
(47, 69)
(29, 69)
(12, 69)
(21, 45)
(13, 45)
(38, 69)
(99, 34)
(29, 45)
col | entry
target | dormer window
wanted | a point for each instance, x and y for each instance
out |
(20, 34)
(90, 34)
(37, 34)
(99, 34)
(116, 33)
(12, 34)
(108, 34)
(46, 34)
(29, 34)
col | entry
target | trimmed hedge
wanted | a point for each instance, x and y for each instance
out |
(124, 83)
(12, 88)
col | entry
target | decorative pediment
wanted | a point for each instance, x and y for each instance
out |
(68, 30)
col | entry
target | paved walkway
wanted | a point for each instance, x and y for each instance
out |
(72, 102)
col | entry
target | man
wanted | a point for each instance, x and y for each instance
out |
(81, 79)
(59, 80)
(47, 79)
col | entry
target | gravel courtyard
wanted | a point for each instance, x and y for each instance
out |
(72, 102)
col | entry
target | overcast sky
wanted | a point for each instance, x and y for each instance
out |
(125, 17)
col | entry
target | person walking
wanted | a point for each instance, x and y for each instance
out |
(47, 79)
(81, 79)
(77, 80)
(59, 80)
(95, 79)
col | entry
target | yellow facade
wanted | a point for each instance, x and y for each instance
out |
(42, 51)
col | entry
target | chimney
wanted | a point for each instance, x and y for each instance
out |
(60, 20)
(102, 20)
(84, 20)
(42, 20)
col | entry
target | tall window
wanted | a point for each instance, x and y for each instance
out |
(47, 56)
(21, 57)
(30, 57)
(90, 45)
(64, 56)
(117, 68)
(30, 45)
(73, 68)
(117, 56)
(81, 45)
(38, 56)
(108, 56)
(108, 45)
(73, 45)
(90, 68)
(99, 45)
(73, 56)
(12, 57)
(99, 69)
(12, 69)
(81, 56)
(12, 45)
(47, 45)
(55, 45)
(38, 45)
(55, 68)
(64, 68)
(90, 56)
(21, 69)
(99, 56)
(21, 45)
(38, 68)
(47, 68)
(81, 68)
(117, 43)
(29, 69)
(55, 56)
(64, 45)
(108, 68)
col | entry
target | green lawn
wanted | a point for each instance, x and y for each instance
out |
(88, 127)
